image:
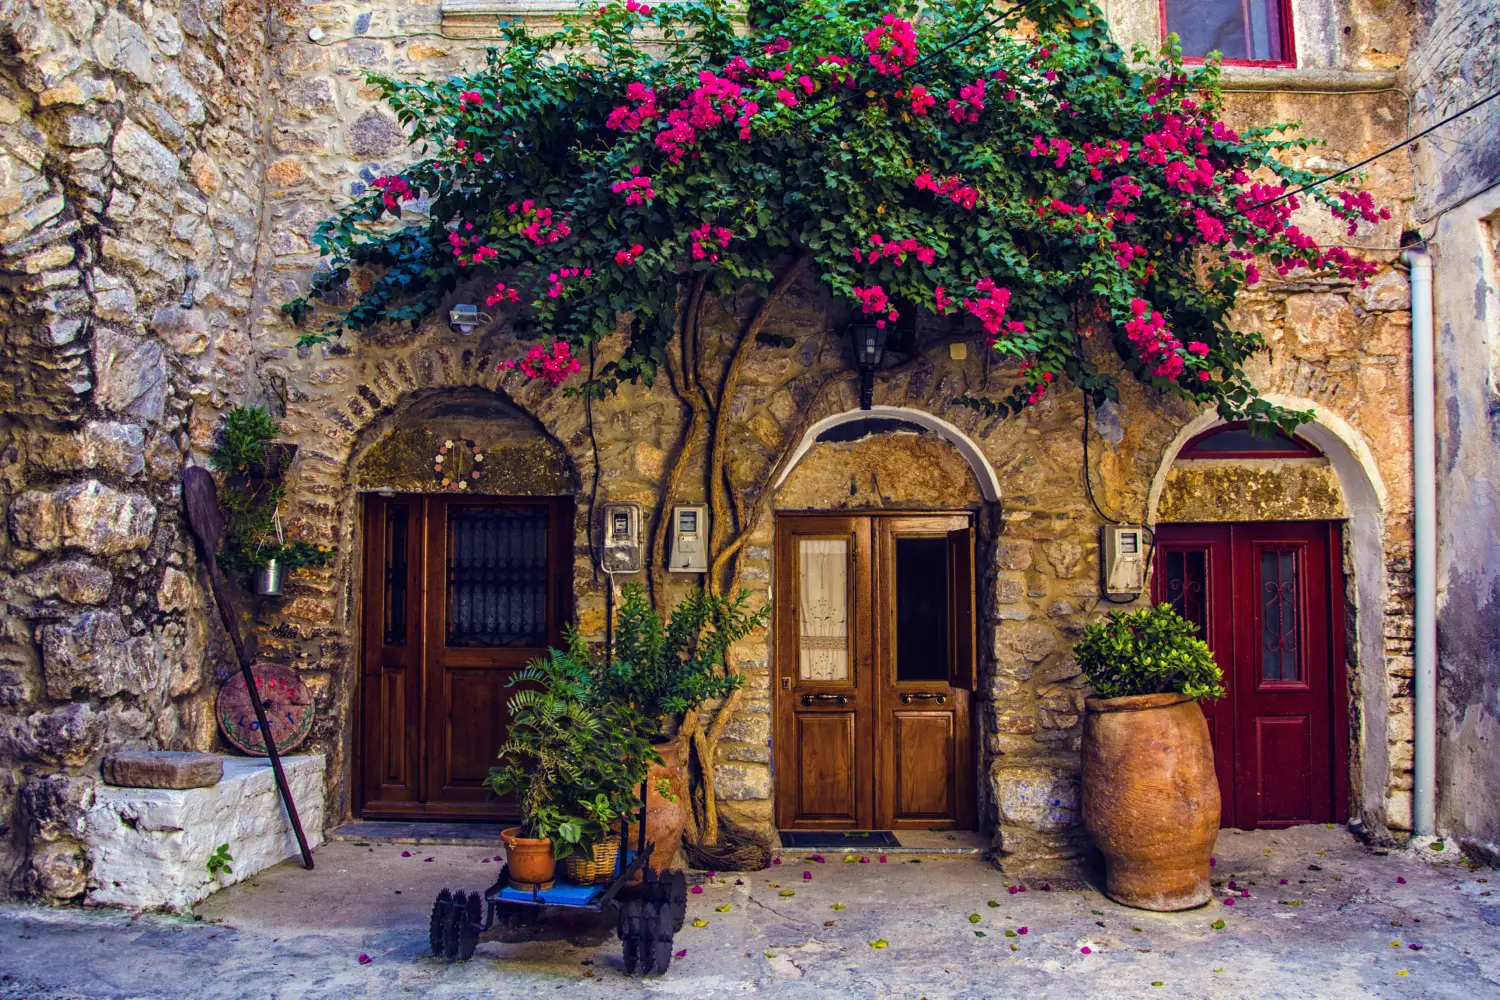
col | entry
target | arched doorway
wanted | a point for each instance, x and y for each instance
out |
(468, 523)
(875, 624)
(1249, 546)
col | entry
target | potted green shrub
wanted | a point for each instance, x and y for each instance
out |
(252, 465)
(1150, 794)
(574, 762)
(661, 669)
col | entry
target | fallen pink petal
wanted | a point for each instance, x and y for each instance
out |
(429, 859)
(775, 861)
(1283, 882)
(406, 854)
(865, 861)
(697, 890)
(882, 859)
(1022, 930)
(1415, 947)
(1244, 893)
(807, 875)
(1228, 902)
(1085, 950)
(497, 858)
(363, 958)
(680, 954)
(1400, 880)
(1212, 861)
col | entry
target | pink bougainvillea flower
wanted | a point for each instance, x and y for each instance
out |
(864, 861)
(680, 954)
(697, 890)
(818, 858)
(365, 959)
(807, 875)
(497, 858)
(1023, 930)
(406, 854)
(882, 859)
(1085, 950)
(483, 861)
(1228, 902)
(1400, 880)
(775, 861)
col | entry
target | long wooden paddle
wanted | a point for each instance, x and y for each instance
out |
(202, 499)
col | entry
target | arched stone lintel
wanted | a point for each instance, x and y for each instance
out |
(984, 472)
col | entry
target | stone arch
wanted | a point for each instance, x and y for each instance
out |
(967, 447)
(1366, 503)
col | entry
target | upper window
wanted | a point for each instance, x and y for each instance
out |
(1244, 32)
(1239, 440)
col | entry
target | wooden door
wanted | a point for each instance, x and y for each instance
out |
(481, 585)
(1270, 599)
(875, 641)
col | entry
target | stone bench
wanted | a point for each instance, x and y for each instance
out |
(150, 846)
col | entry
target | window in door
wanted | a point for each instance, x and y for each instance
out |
(1245, 32)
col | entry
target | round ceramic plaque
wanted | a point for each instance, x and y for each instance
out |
(288, 704)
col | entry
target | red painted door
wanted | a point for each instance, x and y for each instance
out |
(1268, 598)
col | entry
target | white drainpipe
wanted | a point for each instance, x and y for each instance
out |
(1424, 444)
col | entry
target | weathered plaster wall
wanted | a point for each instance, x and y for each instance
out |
(129, 158)
(1456, 61)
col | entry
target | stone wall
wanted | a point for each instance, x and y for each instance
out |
(129, 170)
(140, 138)
(1455, 62)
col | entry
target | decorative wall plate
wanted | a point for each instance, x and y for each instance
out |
(288, 703)
(458, 465)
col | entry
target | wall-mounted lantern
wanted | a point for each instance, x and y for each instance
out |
(465, 318)
(869, 351)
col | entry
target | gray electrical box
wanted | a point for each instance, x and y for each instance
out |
(1123, 562)
(622, 537)
(689, 539)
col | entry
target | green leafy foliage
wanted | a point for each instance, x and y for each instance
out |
(663, 668)
(1151, 651)
(1048, 188)
(219, 861)
(252, 494)
(573, 758)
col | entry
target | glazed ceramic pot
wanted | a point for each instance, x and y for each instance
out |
(664, 816)
(1151, 798)
(528, 859)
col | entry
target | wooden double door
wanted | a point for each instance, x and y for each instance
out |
(1268, 598)
(460, 592)
(874, 633)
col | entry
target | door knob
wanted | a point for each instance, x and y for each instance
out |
(907, 699)
(808, 699)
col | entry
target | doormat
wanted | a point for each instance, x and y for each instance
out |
(838, 839)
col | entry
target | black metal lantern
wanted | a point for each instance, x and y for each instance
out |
(869, 351)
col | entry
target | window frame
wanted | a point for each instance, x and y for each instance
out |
(1288, 39)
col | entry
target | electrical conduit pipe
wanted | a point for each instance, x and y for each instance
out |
(1424, 561)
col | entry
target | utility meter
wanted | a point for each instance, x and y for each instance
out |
(622, 538)
(689, 539)
(1124, 562)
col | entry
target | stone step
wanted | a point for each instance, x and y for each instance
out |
(163, 769)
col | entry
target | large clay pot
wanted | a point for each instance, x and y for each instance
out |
(1151, 798)
(664, 816)
(529, 860)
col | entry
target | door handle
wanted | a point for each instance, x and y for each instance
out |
(808, 699)
(907, 699)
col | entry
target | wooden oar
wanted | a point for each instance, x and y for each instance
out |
(202, 499)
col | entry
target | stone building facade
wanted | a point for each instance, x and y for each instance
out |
(152, 154)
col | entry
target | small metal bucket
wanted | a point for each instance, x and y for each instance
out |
(268, 579)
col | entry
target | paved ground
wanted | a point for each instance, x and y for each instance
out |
(1341, 924)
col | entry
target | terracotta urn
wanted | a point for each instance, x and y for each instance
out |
(529, 860)
(1151, 798)
(664, 816)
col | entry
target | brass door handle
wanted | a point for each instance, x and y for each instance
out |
(907, 699)
(842, 699)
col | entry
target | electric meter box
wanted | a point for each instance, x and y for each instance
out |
(689, 539)
(1124, 559)
(622, 537)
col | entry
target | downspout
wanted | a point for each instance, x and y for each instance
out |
(1424, 561)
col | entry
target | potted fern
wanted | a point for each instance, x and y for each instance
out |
(1150, 794)
(573, 762)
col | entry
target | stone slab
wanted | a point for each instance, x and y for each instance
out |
(163, 769)
(149, 846)
(437, 834)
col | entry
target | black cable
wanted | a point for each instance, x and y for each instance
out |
(588, 413)
(1369, 159)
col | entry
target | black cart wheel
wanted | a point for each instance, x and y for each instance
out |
(676, 883)
(436, 926)
(659, 922)
(469, 925)
(455, 921)
(633, 947)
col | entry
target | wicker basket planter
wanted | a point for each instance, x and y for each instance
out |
(598, 865)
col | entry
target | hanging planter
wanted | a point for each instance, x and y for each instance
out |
(268, 579)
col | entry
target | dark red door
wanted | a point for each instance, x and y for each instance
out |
(1268, 598)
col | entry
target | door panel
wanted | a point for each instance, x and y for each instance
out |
(825, 691)
(875, 626)
(924, 765)
(1269, 600)
(827, 768)
(460, 593)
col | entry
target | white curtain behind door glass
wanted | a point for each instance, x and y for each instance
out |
(823, 609)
